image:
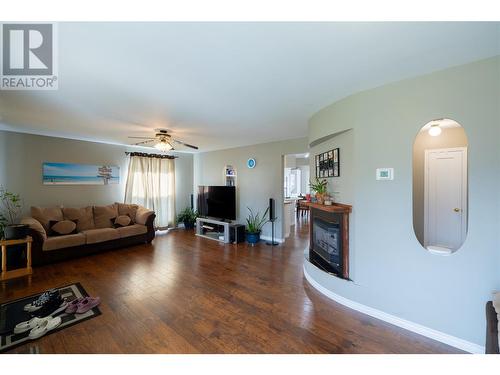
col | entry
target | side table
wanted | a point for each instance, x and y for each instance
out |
(6, 275)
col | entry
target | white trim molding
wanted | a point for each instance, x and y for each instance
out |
(406, 324)
(268, 238)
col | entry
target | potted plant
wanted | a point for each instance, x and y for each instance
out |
(320, 188)
(255, 222)
(188, 217)
(10, 210)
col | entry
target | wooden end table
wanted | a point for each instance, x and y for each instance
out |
(6, 275)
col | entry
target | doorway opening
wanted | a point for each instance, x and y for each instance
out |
(296, 176)
(440, 203)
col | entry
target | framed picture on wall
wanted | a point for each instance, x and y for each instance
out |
(328, 164)
(79, 174)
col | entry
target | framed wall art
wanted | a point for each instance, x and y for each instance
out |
(327, 164)
(79, 174)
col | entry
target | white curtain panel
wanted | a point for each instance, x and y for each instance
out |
(151, 183)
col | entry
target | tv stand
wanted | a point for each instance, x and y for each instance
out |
(213, 229)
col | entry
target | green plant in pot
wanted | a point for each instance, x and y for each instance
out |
(10, 211)
(255, 222)
(319, 186)
(188, 217)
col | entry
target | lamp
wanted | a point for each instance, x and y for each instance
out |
(163, 146)
(434, 130)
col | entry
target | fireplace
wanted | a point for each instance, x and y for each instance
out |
(327, 245)
(329, 238)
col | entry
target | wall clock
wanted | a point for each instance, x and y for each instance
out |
(251, 163)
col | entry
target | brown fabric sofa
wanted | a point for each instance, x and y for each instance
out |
(491, 330)
(94, 232)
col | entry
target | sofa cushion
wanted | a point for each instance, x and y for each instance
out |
(104, 215)
(35, 225)
(142, 215)
(84, 217)
(122, 221)
(60, 242)
(132, 230)
(45, 215)
(62, 227)
(100, 235)
(128, 209)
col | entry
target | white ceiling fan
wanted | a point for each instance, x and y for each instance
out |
(163, 141)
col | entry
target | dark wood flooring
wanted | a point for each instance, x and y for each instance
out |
(185, 294)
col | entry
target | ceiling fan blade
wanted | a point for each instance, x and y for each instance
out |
(143, 142)
(142, 137)
(185, 144)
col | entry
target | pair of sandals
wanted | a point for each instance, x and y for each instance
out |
(38, 326)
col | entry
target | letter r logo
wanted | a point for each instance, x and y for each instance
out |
(27, 49)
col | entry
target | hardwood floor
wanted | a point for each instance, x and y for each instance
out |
(185, 294)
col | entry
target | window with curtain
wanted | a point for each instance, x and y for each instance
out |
(151, 183)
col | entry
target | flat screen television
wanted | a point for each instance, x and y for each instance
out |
(217, 201)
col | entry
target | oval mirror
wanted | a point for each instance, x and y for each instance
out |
(440, 188)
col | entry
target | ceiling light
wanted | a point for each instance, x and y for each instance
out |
(306, 155)
(163, 146)
(434, 130)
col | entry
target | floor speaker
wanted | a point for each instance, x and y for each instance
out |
(271, 209)
(272, 218)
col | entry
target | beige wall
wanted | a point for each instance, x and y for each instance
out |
(254, 186)
(22, 155)
(340, 188)
(449, 137)
(392, 272)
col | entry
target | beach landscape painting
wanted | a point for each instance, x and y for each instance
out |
(80, 174)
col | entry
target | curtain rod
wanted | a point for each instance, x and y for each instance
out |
(142, 154)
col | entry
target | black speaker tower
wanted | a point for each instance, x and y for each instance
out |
(272, 219)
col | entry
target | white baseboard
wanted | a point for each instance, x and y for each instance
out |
(268, 238)
(406, 324)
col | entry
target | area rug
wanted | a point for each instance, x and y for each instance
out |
(12, 313)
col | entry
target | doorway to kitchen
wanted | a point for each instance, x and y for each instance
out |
(296, 175)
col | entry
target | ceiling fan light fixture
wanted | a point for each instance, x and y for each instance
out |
(163, 146)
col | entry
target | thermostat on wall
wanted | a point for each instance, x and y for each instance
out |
(385, 174)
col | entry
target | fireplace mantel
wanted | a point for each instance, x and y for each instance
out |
(335, 207)
(335, 216)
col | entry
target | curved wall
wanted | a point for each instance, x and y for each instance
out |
(393, 273)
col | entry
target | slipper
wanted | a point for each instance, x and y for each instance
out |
(26, 326)
(86, 304)
(73, 306)
(48, 324)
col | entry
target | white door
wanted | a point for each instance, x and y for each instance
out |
(445, 199)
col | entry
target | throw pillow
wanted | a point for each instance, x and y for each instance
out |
(63, 227)
(127, 209)
(84, 217)
(123, 221)
(104, 216)
(45, 215)
(496, 305)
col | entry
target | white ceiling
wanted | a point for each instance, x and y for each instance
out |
(222, 85)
